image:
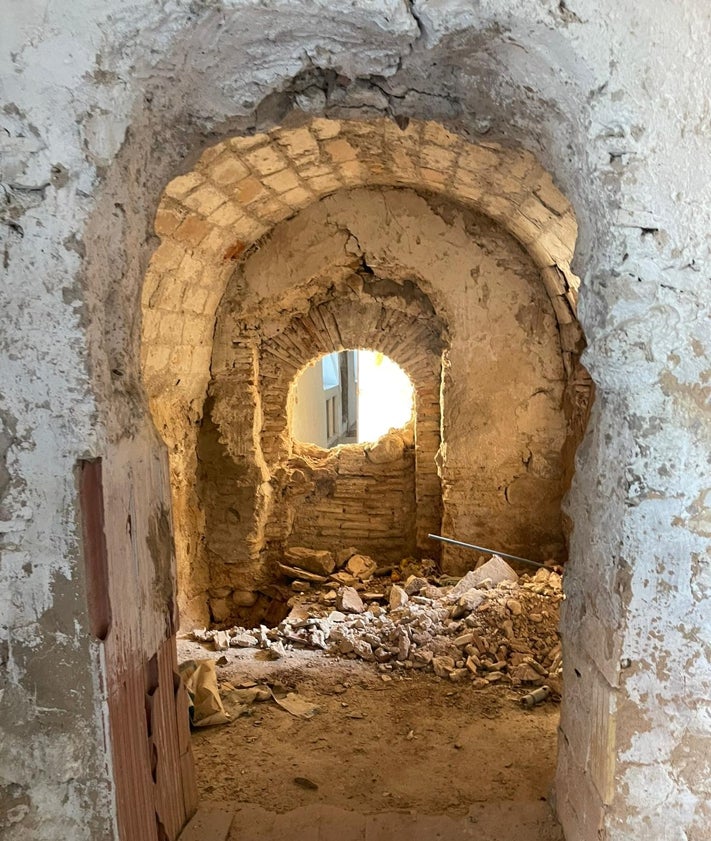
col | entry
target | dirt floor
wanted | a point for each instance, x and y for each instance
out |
(405, 744)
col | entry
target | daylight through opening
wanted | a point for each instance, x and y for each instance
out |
(350, 397)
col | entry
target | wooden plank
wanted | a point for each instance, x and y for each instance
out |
(212, 824)
(91, 496)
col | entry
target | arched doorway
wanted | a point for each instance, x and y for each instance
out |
(492, 352)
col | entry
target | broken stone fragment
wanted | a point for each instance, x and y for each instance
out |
(468, 602)
(542, 576)
(202, 635)
(297, 613)
(473, 663)
(398, 597)
(414, 585)
(301, 574)
(555, 582)
(433, 593)
(221, 641)
(276, 650)
(344, 555)
(525, 674)
(349, 601)
(364, 650)
(458, 674)
(344, 645)
(361, 566)
(403, 643)
(464, 640)
(344, 578)
(243, 640)
(443, 666)
(300, 586)
(514, 607)
(536, 666)
(495, 569)
(318, 561)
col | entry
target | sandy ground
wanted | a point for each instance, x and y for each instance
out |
(415, 747)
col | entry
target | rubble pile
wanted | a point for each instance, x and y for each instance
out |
(491, 626)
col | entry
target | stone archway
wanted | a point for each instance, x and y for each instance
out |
(242, 187)
(429, 245)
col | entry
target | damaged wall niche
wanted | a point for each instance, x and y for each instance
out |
(242, 187)
(384, 498)
(424, 281)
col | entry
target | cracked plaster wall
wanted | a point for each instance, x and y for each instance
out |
(588, 88)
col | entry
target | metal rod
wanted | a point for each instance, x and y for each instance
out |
(482, 549)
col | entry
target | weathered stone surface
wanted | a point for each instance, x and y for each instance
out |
(525, 674)
(415, 584)
(294, 572)
(343, 555)
(318, 561)
(363, 649)
(443, 666)
(361, 566)
(349, 601)
(513, 606)
(398, 597)
(467, 602)
(389, 448)
(244, 598)
(243, 640)
(495, 570)
(221, 609)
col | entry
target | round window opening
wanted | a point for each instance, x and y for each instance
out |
(351, 397)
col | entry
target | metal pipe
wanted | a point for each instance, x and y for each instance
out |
(482, 549)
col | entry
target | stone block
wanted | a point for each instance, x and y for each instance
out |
(495, 569)
(318, 561)
(348, 601)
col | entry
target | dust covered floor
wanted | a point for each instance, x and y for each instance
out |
(386, 755)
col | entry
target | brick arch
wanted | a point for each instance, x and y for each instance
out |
(242, 187)
(265, 450)
(222, 210)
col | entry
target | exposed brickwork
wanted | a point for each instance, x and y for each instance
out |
(240, 188)
(385, 508)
